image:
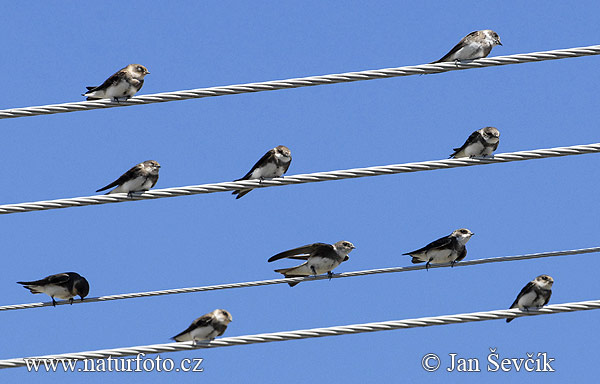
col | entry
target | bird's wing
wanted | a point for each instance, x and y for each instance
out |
(287, 166)
(548, 298)
(525, 289)
(442, 242)
(202, 321)
(263, 160)
(60, 278)
(302, 253)
(131, 174)
(458, 46)
(472, 139)
(114, 79)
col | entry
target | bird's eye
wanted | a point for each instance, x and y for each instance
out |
(140, 69)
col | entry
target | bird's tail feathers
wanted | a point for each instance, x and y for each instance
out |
(27, 284)
(240, 193)
(285, 272)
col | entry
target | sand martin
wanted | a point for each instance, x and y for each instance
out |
(62, 285)
(273, 164)
(120, 86)
(481, 143)
(139, 178)
(448, 249)
(320, 258)
(206, 327)
(475, 45)
(535, 294)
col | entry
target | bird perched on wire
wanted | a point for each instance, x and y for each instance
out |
(274, 163)
(206, 327)
(139, 178)
(448, 249)
(62, 285)
(320, 258)
(481, 143)
(475, 45)
(535, 294)
(121, 85)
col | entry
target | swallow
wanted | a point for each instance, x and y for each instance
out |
(120, 86)
(62, 285)
(481, 143)
(320, 258)
(448, 249)
(535, 294)
(475, 45)
(274, 163)
(206, 327)
(139, 178)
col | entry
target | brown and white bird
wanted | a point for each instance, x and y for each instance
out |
(206, 327)
(475, 45)
(121, 85)
(481, 143)
(448, 249)
(62, 285)
(274, 163)
(535, 294)
(320, 258)
(139, 178)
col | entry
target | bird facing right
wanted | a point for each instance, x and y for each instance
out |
(206, 327)
(481, 143)
(476, 45)
(139, 178)
(320, 258)
(121, 85)
(62, 285)
(448, 249)
(274, 163)
(535, 294)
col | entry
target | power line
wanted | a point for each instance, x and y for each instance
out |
(300, 179)
(301, 82)
(302, 279)
(314, 333)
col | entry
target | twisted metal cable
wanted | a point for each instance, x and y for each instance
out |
(300, 179)
(302, 279)
(302, 82)
(313, 333)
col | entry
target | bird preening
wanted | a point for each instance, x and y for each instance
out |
(476, 45)
(62, 285)
(481, 143)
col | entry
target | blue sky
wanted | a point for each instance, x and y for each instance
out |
(51, 52)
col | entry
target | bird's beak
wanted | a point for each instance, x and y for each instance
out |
(353, 247)
(499, 42)
(472, 234)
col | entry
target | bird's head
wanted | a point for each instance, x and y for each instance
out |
(544, 281)
(223, 316)
(462, 235)
(491, 135)
(492, 37)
